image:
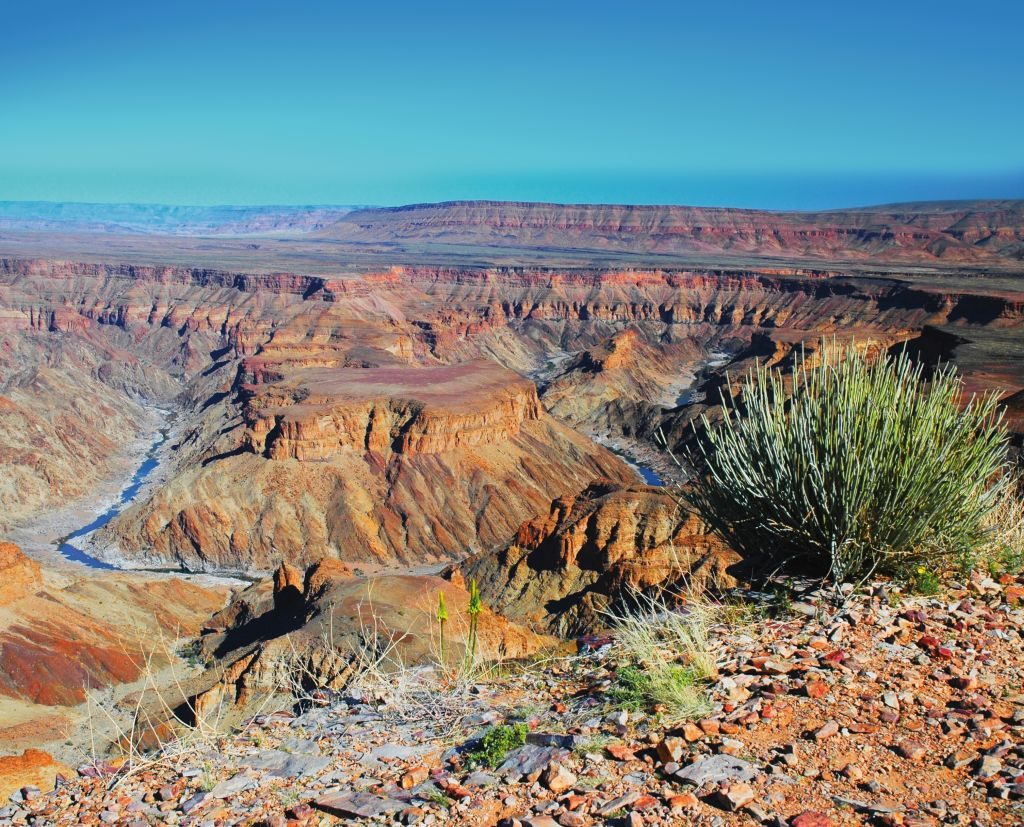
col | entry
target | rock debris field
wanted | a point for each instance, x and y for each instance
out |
(882, 709)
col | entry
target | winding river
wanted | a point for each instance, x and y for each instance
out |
(66, 545)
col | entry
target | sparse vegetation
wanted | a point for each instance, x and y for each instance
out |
(442, 618)
(923, 581)
(668, 657)
(1004, 548)
(496, 743)
(852, 466)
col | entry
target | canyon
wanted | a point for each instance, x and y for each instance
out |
(425, 395)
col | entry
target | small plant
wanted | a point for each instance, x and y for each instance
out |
(595, 743)
(496, 743)
(207, 781)
(435, 796)
(671, 686)
(442, 618)
(923, 581)
(853, 465)
(191, 652)
(632, 689)
(1004, 548)
(474, 610)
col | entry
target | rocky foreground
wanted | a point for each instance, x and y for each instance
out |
(885, 708)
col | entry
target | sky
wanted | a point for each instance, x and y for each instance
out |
(777, 105)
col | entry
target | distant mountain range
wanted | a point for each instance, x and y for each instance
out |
(162, 219)
(978, 236)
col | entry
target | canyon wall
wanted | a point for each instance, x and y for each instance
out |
(415, 413)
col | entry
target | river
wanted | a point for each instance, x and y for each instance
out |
(66, 545)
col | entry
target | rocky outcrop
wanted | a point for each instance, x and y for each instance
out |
(407, 411)
(592, 551)
(19, 576)
(324, 636)
(363, 490)
(323, 411)
(62, 636)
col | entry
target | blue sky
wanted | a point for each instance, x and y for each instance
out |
(752, 104)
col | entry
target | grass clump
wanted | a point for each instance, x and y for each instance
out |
(672, 686)
(668, 657)
(853, 465)
(1004, 548)
(496, 743)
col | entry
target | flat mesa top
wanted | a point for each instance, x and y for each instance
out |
(465, 386)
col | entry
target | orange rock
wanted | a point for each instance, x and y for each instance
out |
(19, 575)
(322, 574)
(32, 768)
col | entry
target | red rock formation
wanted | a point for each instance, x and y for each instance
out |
(593, 550)
(56, 641)
(407, 411)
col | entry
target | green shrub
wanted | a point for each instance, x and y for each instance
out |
(861, 466)
(496, 744)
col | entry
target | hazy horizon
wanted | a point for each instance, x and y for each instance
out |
(818, 194)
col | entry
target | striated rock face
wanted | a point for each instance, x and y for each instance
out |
(591, 551)
(408, 411)
(990, 231)
(68, 406)
(59, 636)
(369, 465)
(360, 411)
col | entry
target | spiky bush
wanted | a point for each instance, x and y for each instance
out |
(853, 465)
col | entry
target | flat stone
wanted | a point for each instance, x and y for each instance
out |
(912, 750)
(414, 777)
(480, 779)
(826, 730)
(866, 807)
(195, 802)
(671, 748)
(617, 804)
(558, 778)
(233, 786)
(551, 739)
(716, 769)
(988, 767)
(733, 796)
(287, 765)
(358, 805)
(528, 760)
